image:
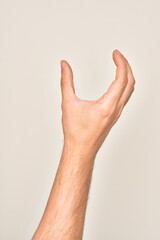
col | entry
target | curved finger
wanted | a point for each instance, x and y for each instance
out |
(117, 87)
(129, 88)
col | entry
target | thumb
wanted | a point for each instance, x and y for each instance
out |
(67, 85)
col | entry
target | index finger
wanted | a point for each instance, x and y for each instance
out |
(117, 87)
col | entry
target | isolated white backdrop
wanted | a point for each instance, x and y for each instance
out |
(124, 199)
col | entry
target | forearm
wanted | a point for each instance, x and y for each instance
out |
(65, 211)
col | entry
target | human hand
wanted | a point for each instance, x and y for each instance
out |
(87, 123)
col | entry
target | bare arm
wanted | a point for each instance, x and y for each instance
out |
(85, 126)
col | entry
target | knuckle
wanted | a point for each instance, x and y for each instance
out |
(133, 80)
(110, 111)
(132, 88)
(106, 111)
(102, 108)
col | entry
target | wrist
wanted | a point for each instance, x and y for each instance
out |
(79, 149)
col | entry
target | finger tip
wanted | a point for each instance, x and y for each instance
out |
(63, 63)
(118, 58)
(66, 68)
(117, 53)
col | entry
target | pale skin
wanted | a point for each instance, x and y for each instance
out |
(86, 124)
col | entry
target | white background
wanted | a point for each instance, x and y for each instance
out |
(124, 199)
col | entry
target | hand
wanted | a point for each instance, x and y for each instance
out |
(87, 123)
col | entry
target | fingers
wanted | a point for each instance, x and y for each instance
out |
(117, 87)
(67, 85)
(121, 71)
(129, 88)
